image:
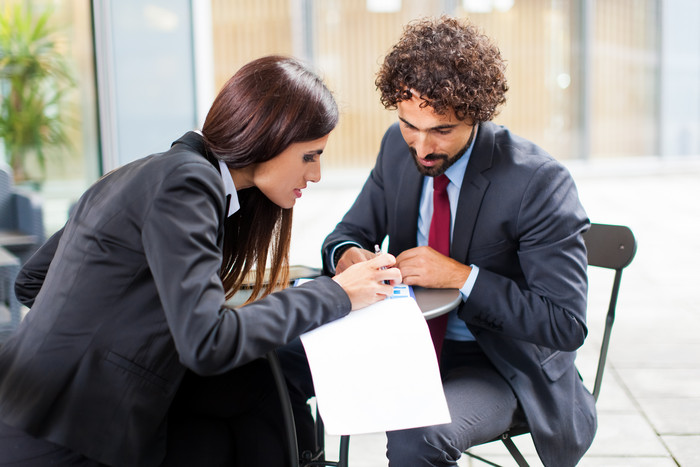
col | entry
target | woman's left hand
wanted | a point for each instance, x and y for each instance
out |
(365, 282)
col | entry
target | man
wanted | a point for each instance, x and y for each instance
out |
(513, 248)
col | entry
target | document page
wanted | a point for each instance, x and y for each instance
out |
(376, 370)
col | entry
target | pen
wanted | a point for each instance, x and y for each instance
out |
(378, 252)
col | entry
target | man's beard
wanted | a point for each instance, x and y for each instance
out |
(447, 160)
(437, 169)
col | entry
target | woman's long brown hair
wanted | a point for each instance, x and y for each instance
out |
(267, 105)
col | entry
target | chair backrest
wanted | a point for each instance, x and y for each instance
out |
(611, 247)
(6, 212)
(21, 217)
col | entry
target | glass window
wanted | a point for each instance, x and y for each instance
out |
(247, 29)
(537, 39)
(583, 75)
(146, 76)
(625, 62)
(68, 169)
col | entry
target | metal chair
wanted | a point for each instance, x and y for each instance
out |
(21, 233)
(318, 458)
(611, 247)
(21, 218)
(10, 309)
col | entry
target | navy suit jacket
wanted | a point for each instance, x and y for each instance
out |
(125, 298)
(520, 221)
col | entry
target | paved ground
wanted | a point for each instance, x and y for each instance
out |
(650, 400)
(649, 407)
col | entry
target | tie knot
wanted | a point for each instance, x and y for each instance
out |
(440, 183)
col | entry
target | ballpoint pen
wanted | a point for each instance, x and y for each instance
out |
(378, 252)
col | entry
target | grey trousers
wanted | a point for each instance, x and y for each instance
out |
(482, 406)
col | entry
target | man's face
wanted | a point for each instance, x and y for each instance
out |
(435, 141)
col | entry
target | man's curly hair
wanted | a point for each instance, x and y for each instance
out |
(451, 64)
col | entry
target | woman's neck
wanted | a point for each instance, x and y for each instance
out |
(243, 177)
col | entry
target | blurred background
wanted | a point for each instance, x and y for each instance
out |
(589, 80)
(609, 87)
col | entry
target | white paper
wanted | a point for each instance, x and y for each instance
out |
(375, 370)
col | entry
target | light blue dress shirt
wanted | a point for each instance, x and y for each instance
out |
(456, 329)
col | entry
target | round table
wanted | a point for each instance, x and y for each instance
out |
(436, 302)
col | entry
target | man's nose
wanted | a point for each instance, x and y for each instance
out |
(423, 145)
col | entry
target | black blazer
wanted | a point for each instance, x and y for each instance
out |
(520, 220)
(125, 298)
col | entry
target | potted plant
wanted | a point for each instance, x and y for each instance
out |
(34, 80)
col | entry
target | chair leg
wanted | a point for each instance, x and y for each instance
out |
(320, 433)
(319, 457)
(514, 452)
(479, 458)
(287, 413)
(343, 455)
(344, 451)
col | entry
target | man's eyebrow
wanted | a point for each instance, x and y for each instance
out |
(406, 122)
(445, 126)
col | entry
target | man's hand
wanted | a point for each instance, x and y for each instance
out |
(352, 256)
(364, 282)
(426, 267)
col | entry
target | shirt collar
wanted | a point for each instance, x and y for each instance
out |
(229, 188)
(456, 172)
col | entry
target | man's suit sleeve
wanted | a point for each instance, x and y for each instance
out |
(547, 305)
(180, 243)
(365, 224)
(31, 276)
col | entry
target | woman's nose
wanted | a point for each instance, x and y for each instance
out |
(314, 173)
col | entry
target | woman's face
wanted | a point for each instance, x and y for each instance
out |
(283, 177)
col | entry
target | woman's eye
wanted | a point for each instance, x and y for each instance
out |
(309, 157)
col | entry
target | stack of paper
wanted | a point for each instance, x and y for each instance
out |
(376, 370)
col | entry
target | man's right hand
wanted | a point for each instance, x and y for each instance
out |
(352, 256)
(364, 282)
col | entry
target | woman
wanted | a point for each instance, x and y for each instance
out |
(128, 352)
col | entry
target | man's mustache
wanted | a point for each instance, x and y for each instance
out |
(430, 157)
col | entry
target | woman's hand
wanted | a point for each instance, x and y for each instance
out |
(364, 281)
(352, 256)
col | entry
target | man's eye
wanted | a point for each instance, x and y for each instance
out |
(443, 132)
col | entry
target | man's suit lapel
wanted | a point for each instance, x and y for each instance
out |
(409, 189)
(472, 193)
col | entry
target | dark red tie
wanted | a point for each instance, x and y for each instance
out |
(439, 240)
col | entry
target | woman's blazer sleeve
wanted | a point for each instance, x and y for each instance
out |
(31, 276)
(180, 242)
